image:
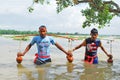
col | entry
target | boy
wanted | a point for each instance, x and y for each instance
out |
(43, 44)
(91, 44)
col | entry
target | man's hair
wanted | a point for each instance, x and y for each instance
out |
(42, 26)
(93, 31)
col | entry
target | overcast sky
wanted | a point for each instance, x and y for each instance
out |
(14, 15)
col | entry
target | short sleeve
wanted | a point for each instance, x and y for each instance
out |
(52, 41)
(100, 43)
(33, 41)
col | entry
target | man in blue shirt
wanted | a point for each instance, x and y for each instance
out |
(43, 44)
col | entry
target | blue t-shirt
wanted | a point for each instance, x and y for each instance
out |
(43, 45)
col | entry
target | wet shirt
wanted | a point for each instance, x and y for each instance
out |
(43, 45)
(92, 46)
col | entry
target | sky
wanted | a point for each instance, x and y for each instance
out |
(14, 14)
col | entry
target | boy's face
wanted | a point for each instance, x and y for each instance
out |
(42, 31)
(94, 35)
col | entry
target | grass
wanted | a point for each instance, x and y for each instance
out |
(23, 38)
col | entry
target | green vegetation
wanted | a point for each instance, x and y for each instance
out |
(15, 32)
(23, 38)
(24, 35)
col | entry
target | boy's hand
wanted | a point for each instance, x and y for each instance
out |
(69, 53)
(69, 56)
(19, 54)
(110, 56)
(110, 60)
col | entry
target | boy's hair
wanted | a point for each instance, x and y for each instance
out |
(93, 31)
(42, 26)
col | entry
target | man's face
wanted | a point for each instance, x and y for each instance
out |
(94, 35)
(42, 31)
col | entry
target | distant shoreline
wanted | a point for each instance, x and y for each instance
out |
(16, 32)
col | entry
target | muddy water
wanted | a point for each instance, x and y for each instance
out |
(59, 68)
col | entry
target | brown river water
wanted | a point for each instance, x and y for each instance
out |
(59, 68)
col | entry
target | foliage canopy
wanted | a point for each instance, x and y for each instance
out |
(99, 12)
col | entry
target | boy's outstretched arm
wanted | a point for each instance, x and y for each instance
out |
(103, 49)
(25, 51)
(79, 46)
(62, 49)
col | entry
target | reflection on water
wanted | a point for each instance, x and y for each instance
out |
(59, 68)
(69, 71)
(45, 72)
(91, 72)
(25, 73)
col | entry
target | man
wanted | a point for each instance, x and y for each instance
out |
(91, 44)
(43, 44)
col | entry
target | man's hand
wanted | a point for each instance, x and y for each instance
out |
(110, 56)
(69, 56)
(70, 53)
(19, 54)
(110, 60)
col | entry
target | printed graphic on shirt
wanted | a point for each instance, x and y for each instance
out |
(92, 47)
(43, 46)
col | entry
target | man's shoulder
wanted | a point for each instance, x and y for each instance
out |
(36, 37)
(50, 37)
(98, 40)
(88, 38)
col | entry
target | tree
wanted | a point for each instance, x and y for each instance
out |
(100, 12)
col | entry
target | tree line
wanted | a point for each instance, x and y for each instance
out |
(16, 32)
